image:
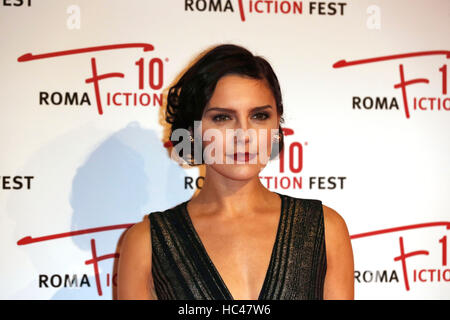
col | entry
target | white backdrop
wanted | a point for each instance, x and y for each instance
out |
(80, 164)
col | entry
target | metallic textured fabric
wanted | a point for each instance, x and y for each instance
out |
(182, 269)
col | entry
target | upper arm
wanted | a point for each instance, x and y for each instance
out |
(339, 279)
(134, 266)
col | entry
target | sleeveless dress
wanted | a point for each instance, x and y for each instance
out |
(182, 269)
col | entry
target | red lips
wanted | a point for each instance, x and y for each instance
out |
(247, 156)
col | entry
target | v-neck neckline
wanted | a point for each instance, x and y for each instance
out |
(213, 267)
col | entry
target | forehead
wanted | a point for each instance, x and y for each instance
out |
(240, 91)
(231, 81)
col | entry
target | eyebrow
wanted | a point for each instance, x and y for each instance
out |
(234, 111)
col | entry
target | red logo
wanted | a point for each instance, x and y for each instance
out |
(154, 70)
(418, 103)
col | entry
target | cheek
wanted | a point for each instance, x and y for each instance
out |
(265, 137)
(218, 138)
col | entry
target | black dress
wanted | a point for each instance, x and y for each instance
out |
(182, 269)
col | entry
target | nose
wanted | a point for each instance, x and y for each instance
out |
(242, 132)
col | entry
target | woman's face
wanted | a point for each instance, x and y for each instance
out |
(243, 112)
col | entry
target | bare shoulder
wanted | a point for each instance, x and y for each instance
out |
(134, 271)
(137, 239)
(335, 224)
(339, 282)
(337, 237)
(139, 232)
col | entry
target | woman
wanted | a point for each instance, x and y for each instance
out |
(235, 239)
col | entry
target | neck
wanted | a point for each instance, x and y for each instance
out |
(232, 197)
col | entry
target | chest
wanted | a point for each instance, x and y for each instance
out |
(208, 259)
(240, 250)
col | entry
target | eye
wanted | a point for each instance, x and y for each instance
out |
(261, 116)
(220, 117)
